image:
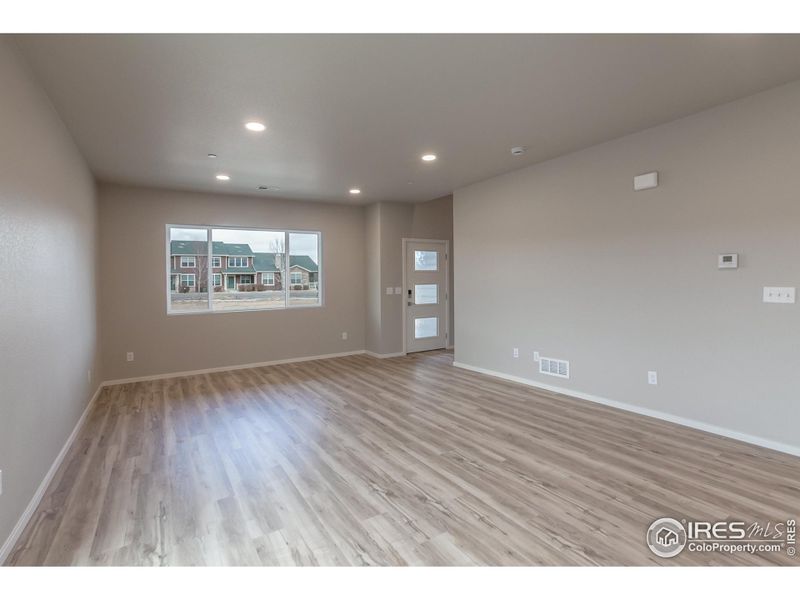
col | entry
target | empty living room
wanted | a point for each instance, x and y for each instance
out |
(398, 293)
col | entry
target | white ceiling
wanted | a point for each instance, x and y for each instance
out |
(359, 110)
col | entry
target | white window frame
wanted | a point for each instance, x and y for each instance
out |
(216, 262)
(270, 277)
(242, 276)
(241, 260)
(291, 278)
(187, 259)
(287, 253)
(194, 281)
(214, 279)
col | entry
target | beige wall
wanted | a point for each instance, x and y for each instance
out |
(133, 290)
(434, 221)
(564, 258)
(47, 312)
(388, 223)
(372, 253)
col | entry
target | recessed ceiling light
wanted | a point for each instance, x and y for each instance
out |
(355, 191)
(428, 157)
(223, 177)
(210, 155)
(255, 126)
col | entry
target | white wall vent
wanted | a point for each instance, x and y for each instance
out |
(555, 367)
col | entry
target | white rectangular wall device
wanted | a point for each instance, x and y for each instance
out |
(779, 295)
(646, 181)
(728, 261)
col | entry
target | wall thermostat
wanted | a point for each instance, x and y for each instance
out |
(728, 261)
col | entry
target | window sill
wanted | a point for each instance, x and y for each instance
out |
(171, 313)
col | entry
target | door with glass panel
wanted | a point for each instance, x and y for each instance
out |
(426, 295)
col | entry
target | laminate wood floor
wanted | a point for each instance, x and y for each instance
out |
(405, 461)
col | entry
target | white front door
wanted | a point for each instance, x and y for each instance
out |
(426, 295)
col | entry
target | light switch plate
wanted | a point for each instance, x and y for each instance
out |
(535, 357)
(779, 295)
(389, 291)
(652, 378)
(398, 290)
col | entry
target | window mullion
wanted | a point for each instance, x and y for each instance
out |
(209, 267)
(286, 269)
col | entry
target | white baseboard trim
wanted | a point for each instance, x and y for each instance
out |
(269, 363)
(701, 425)
(13, 537)
(376, 355)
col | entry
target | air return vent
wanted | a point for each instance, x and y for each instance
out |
(555, 367)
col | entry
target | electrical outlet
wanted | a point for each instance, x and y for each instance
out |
(344, 335)
(535, 357)
(652, 378)
(130, 356)
(516, 352)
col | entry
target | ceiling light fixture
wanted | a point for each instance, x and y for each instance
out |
(210, 155)
(223, 177)
(428, 157)
(355, 191)
(255, 126)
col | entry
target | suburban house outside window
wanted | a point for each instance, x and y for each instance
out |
(218, 269)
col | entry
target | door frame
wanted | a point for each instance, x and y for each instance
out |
(404, 296)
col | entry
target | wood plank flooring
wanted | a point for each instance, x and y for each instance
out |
(405, 461)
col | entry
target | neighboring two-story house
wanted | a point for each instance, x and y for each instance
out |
(236, 268)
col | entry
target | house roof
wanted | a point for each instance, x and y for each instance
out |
(234, 270)
(194, 248)
(265, 262)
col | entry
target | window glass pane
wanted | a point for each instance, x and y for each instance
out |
(425, 260)
(304, 269)
(426, 327)
(426, 294)
(188, 269)
(246, 257)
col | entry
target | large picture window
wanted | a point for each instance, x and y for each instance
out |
(250, 269)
